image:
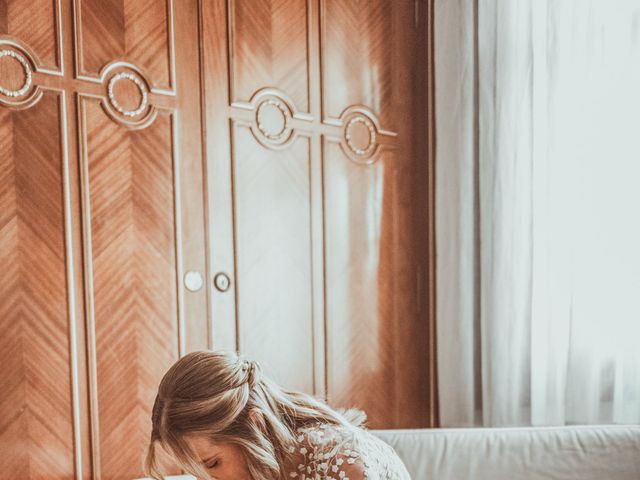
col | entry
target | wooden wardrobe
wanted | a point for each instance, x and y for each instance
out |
(251, 175)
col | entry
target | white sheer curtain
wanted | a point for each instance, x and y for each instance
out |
(538, 211)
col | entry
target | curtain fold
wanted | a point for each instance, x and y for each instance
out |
(538, 192)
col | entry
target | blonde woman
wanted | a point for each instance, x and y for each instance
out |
(221, 419)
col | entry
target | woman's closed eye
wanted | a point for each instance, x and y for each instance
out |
(212, 463)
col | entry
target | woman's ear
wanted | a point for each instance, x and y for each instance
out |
(257, 417)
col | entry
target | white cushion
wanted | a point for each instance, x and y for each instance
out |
(558, 453)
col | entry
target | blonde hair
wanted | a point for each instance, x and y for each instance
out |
(218, 394)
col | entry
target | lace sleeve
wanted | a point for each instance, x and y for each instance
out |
(343, 470)
(326, 454)
(329, 452)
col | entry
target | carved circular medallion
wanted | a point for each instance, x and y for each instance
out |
(122, 86)
(360, 136)
(273, 119)
(27, 73)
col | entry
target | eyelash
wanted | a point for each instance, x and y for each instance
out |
(213, 465)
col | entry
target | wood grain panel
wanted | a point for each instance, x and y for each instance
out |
(360, 320)
(359, 56)
(131, 181)
(138, 31)
(379, 354)
(272, 218)
(376, 340)
(36, 419)
(36, 24)
(268, 47)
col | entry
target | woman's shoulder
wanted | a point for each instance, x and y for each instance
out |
(343, 452)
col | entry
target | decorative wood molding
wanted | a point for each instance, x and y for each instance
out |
(274, 112)
(26, 70)
(357, 129)
(429, 25)
(360, 135)
(144, 112)
(28, 93)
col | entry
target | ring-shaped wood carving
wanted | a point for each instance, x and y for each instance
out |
(283, 123)
(144, 94)
(273, 115)
(273, 122)
(360, 134)
(28, 93)
(276, 123)
(122, 75)
(28, 77)
(359, 150)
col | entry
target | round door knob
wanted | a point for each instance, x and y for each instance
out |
(193, 281)
(222, 282)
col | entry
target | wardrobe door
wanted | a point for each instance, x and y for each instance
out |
(376, 181)
(318, 188)
(38, 313)
(101, 228)
(256, 61)
(139, 144)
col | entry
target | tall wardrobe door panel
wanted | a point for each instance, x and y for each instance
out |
(36, 406)
(139, 142)
(272, 218)
(257, 91)
(137, 31)
(376, 337)
(268, 48)
(131, 201)
(360, 320)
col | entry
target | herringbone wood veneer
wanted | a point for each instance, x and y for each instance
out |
(358, 57)
(132, 30)
(269, 48)
(34, 22)
(36, 418)
(134, 269)
(377, 338)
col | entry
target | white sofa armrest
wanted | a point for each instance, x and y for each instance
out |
(558, 453)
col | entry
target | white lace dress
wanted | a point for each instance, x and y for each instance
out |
(328, 452)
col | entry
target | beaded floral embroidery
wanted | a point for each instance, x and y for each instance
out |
(330, 452)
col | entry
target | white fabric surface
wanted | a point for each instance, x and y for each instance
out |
(554, 453)
(538, 166)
